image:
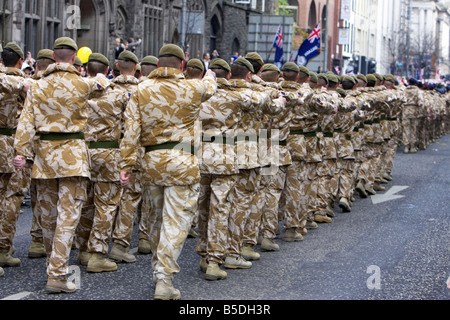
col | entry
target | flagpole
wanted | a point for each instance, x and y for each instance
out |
(326, 40)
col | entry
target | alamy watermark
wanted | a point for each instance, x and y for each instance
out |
(374, 280)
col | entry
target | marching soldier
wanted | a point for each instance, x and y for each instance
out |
(61, 166)
(161, 116)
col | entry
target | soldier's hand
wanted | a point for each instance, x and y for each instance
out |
(210, 73)
(19, 163)
(124, 178)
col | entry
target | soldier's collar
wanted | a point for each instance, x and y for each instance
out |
(239, 83)
(55, 67)
(164, 72)
(125, 79)
(14, 72)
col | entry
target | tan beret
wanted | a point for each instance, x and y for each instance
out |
(196, 63)
(349, 78)
(313, 76)
(290, 66)
(362, 77)
(65, 43)
(150, 60)
(389, 77)
(304, 70)
(255, 57)
(99, 58)
(270, 67)
(332, 77)
(128, 56)
(45, 54)
(379, 76)
(341, 92)
(244, 62)
(171, 50)
(371, 77)
(14, 47)
(78, 62)
(323, 76)
(219, 63)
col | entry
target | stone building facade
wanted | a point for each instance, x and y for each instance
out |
(204, 25)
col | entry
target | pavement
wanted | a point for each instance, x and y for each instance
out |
(391, 248)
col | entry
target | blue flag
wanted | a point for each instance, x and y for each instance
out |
(310, 48)
(278, 44)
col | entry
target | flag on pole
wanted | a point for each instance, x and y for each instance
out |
(310, 48)
(278, 44)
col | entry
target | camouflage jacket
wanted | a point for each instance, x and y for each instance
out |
(162, 112)
(57, 104)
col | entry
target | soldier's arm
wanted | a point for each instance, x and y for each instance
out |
(210, 85)
(23, 141)
(132, 133)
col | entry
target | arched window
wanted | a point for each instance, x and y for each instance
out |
(312, 18)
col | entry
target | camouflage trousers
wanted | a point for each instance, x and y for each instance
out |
(214, 208)
(346, 178)
(387, 158)
(299, 196)
(327, 184)
(360, 168)
(16, 186)
(36, 228)
(60, 202)
(129, 204)
(410, 131)
(97, 217)
(274, 185)
(242, 195)
(173, 209)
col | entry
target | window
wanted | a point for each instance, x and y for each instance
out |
(53, 22)
(153, 27)
(32, 26)
(5, 13)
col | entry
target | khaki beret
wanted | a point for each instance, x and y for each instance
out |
(371, 77)
(150, 60)
(171, 50)
(138, 67)
(290, 66)
(341, 92)
(14, 47)
(332, 77)
(66, 43)
(304, 70)
(323, 76)
(219, 63)
(78, 62)
(270, 67)
(99, 58)
(362, 77)
(379, 76)
(45, 54)
(244, 62)
(196, 63)
(313, 76)
(389, 77)
(255, 57)
(128, 56)
(349, 78)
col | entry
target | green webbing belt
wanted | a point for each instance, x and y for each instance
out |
(171, 145)
(104, 145)
(348, 137)
(283, 143)
(7, 131)
(376, 120)
(300, 132)
(338, 130)
(328, 134)
(62, 136)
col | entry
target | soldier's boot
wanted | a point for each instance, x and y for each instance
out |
(6, 260)
(237, 263)
(387, 176)
(311, 225)
(60, 286)
(378, 187)
(83, 257)
(98, 263)
(2, 272)
(322, 218)
(144, 247)
(370, 190)
(361, 190)
(344, 205)
(203, 264)
(329, 212)
(249, 253)
(291, 235)
(165, 291)
(120, 253)
(192, 233)
(213, 272)
(36, 250)
(269, 245)
(406, 149)
(412, 148)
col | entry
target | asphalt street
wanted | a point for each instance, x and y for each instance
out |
(391, 248)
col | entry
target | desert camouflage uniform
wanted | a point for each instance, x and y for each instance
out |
(104, 128)
(132, 195)
(56, 110)
(161, 116)
(13, 185)
(245, 194)
(220, 117)
(411, 110)
(327, 169)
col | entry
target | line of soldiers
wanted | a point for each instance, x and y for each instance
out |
(237, 153)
